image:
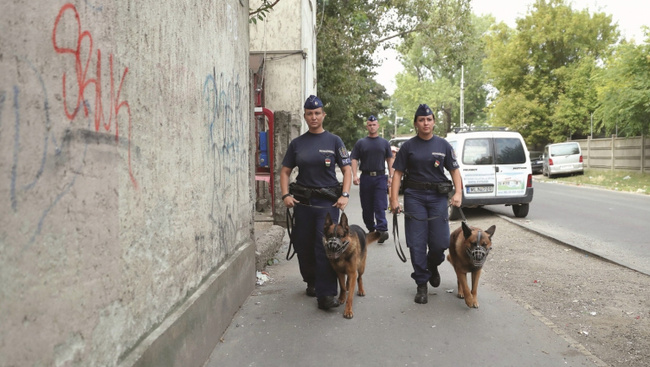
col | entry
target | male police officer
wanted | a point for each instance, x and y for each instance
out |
(373, 151)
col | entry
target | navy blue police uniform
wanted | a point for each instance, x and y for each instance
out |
(316, 156)
(426, 222)
(372, 153)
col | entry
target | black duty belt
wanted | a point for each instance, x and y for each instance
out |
(441, 187)
(373, 173)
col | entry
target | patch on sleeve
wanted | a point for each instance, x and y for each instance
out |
(343, 152)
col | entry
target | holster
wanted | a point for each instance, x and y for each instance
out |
(300, 193)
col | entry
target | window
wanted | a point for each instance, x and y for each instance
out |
(509, 151)
(478, 151)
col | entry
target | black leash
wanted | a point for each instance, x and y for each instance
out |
(289, 230)
(398, 244)
(290, 221)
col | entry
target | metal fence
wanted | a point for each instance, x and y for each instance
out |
(630, 154)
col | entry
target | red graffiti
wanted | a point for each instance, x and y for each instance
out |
(83, 82)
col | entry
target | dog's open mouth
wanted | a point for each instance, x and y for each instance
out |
(334, 247)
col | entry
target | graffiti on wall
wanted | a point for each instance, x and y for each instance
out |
(37, 142)
(227, 148)
(89, 87)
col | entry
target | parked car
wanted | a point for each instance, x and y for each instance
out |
(495, 168)
(562, 158)
(396, 143)
(536, 162)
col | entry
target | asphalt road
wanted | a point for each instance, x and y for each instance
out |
(610, 224)
(279, 325)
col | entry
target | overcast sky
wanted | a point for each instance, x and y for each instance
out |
(630, 15)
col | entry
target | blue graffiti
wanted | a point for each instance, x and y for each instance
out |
(48, 136)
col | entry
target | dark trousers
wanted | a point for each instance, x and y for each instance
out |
(424, 235)
(373, 191)
(308, 241)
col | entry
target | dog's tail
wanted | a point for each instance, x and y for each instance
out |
(372, 237)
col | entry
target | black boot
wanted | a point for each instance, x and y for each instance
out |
(422, 295)
(311, 290)
(327, 302)
(434, 280)
(435, 277)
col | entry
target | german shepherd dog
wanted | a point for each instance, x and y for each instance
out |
(468, 250)
(346, 249)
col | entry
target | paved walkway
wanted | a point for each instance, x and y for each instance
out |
(279, 325)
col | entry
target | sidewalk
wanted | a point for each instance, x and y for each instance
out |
(279, 325)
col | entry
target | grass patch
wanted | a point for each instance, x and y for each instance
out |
(628, 181)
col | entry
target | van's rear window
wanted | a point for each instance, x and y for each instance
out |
(481, 152)
(564, 149)
(509, 151)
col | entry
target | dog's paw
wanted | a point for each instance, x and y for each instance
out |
(348, 314)
(342, 300)
(361, 293)
(460, 295)
(471, 302)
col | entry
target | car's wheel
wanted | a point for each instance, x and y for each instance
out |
(454, 213)
(520, 210)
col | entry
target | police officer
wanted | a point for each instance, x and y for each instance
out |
(373, 151)
(316, 153)
(426, 197)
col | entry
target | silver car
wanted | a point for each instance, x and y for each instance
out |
(562, 159)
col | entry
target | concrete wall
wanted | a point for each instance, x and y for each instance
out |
(125, 180)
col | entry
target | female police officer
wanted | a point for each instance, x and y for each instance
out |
(426, 196)
(315, 153)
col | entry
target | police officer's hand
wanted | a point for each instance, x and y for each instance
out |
(356, 181)
(457, 199)
(395, 208)
(290, 202)
(342, 202)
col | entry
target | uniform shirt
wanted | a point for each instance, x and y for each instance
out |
(425, 159)
(316, 156)
(372, 152)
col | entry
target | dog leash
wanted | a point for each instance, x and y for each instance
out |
(398, 244)
(290, 221)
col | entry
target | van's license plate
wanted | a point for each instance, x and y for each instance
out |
(479, 189)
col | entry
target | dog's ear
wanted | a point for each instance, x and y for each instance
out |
(344, 220)
(466, 230)
(491, 230)
(328, 220)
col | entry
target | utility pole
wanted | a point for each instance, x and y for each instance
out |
(462, 98)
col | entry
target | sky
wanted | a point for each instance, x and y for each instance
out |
(630, 15)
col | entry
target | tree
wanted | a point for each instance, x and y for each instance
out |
(623, 91)
(543, 65)
(350, 31)
(433, 60)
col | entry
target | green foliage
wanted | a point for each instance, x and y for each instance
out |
(624, 91)
(543, 70)
(350, 31)
(433, 59)
(262, 11)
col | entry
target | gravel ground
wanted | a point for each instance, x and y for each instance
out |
(589, 301)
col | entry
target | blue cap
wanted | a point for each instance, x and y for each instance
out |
(423, 110)
(372, 118)
(313, 103)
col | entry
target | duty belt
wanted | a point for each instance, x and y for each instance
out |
(441, 187)
(373, 173)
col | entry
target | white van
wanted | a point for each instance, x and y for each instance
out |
(495, 168)
(562, 158)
